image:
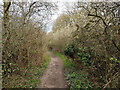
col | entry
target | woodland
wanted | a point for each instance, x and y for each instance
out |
(86, 38)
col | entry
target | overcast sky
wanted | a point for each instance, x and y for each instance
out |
(62, 6)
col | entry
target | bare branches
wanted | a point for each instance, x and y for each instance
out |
(30, 8)
(102, 20)
(98, 17)
(105, 29)
(112, 78)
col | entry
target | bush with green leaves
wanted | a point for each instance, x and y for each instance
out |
(84, 56)
(71, 50)
(78, 79)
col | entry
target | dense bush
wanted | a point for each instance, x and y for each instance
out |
(72, 51)
(24, 40)
(23, 46)
(69, 50)
(84, 56)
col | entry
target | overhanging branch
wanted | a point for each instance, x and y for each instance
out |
(102, 20)
(98, 17)
(105, 29)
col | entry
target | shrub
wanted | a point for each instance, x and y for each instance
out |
(84, 56)
(72, 51)
(69, 50)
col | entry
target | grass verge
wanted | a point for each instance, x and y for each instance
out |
(75, 78)
(30, 79)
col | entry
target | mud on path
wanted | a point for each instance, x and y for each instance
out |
(53, 77)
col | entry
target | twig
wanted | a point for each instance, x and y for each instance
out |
(114, 76)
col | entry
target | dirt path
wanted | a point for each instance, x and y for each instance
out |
(53, 77)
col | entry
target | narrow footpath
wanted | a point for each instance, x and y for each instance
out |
(53, 76)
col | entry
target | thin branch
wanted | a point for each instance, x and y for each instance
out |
(8, 7)
(116, 45)
(102, 20)
(98, 17)
(114, 76)
(30, 8)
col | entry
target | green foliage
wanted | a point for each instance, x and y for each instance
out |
(84, 56)
(114, 60)
(71, 51)
(9, 67)
(78, 79)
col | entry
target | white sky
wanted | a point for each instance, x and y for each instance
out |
(61, 9)
(62, 6)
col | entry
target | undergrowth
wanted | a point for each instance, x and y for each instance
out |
(30, 79)
(75, 78)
